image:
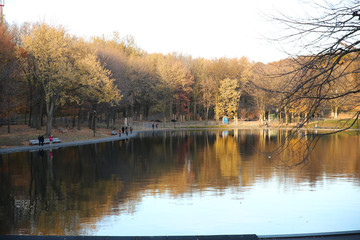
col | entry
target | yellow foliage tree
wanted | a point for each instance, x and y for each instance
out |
(229, 96)
(50, 49)
(64, 67)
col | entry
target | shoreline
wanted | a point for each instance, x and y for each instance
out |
(67, 144)
(78, 143)
(123, 137)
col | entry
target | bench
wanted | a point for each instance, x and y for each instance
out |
(46, 141)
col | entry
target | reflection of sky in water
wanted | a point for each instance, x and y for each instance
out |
(266, 208)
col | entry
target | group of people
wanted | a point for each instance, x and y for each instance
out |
(153, 126)
(41, 143)
(125, 130)
(42, 139)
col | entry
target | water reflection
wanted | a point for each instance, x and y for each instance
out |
(79, 190)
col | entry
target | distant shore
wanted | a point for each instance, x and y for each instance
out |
(18, 139)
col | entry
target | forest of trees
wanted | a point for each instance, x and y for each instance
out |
(47, 73)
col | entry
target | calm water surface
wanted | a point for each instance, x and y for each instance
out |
(182, 183)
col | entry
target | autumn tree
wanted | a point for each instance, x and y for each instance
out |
(96, 81)
(131, 70)
(223, 68)
(59, 69)
(208, 90)
(198, 71)
(11, 84)
(126, 44)
(229, 95)
(141, 80)
(175, 84)
(50, 49)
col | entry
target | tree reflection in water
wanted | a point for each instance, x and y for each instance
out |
(60, 193)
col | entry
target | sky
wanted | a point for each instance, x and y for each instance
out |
(200, 28)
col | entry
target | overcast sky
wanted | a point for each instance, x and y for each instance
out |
(200, 28)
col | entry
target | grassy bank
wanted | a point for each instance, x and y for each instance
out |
(335, 124)
(21, 134)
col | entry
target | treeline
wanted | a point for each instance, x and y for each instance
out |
(44, 71)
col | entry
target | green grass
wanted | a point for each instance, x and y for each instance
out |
(336, 124)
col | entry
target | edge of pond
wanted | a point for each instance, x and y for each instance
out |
(123, 137)
(78, 143)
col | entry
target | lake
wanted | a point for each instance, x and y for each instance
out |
(185, 183)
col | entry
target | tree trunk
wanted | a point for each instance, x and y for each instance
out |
(336, 108)
(194, 113)
(74, 120)
(207, 115)
(170, 109)
(9, 118)
(31, 103)
(164, 109)
(90, 120)
(94, 124)
(216, 107)
(40, 123)
(107, 116)
(79, 118)
(49, 124)
(246, 106)
(147, 110)
(30, 114)
(49, 111)
(34, 115)
(114, 117)
(280, 118)
(26, 109)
